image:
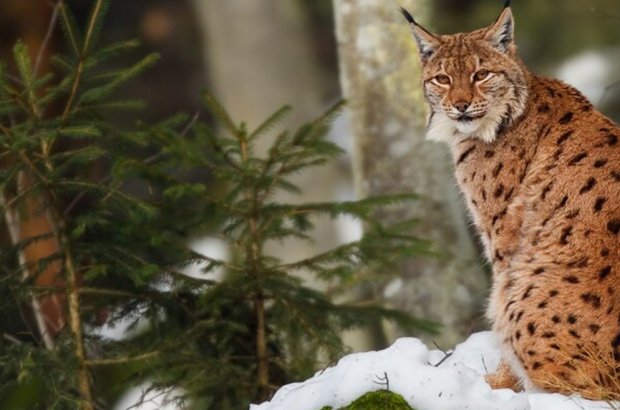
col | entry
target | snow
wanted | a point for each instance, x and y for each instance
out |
(127, 327)
(213, 248)
(393, 288)
(427, 379)
(144, 397)
(590, 72)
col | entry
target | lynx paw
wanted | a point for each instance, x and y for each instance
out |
(503, 378)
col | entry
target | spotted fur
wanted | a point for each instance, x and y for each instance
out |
(539, 169)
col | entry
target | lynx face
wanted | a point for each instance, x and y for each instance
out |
(474, 83)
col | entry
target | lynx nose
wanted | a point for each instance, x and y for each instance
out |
(462, 106)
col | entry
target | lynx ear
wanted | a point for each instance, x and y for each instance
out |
(501, 33)
(427, 42)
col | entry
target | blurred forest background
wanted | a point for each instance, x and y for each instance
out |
(255, 56)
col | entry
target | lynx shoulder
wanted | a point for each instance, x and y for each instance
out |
(539, 169)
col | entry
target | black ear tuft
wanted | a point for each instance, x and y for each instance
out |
(501, 33)
(426, 41)
(408, 16)
(507, 4)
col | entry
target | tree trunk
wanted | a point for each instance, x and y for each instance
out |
(259, 56)
(29, 20)
(380, 79)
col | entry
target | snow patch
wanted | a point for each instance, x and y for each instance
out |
(427, 379)
(127, 327)
(393, 288)
(210, 247)
(141, 398)
(589, 72)
(349, 229)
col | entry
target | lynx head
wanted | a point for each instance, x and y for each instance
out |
(473, 82)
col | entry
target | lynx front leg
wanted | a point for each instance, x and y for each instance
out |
(503, 378)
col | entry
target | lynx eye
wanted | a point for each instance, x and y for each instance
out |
(442, 79)
(481, 75)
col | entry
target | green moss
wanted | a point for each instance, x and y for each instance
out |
(377, 400)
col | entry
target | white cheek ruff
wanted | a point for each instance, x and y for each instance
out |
(441, 128)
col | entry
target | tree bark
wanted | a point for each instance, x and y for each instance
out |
(259, 56)
(30, 21)
(380, 77)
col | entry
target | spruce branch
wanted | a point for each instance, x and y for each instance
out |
(118, 78)
(222, 115)
(46, 40)
(70, 31)
(80, 52)
(270, 122)
(94, 24)
(24, 66)
(122, 360)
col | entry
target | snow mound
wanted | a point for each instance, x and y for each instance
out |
(427, 379)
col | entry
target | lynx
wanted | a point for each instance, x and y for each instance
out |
(539, 169)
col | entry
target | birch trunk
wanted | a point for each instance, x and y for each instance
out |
(380, 79)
